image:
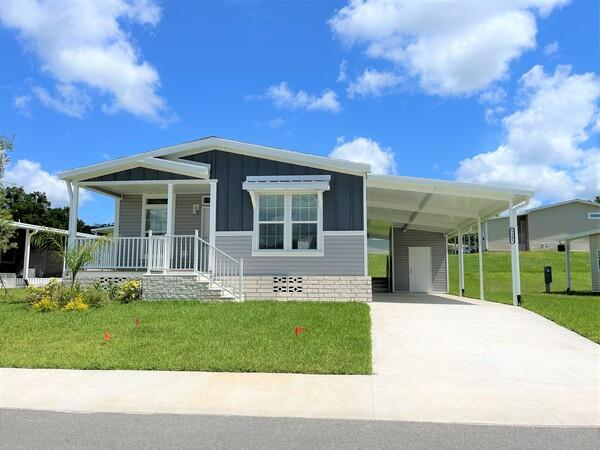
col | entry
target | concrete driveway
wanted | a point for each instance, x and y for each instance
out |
(451, 359)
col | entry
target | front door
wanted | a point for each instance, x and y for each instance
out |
(419, 269)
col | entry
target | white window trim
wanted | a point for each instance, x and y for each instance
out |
(146, 207)
(594, 215)
(287, 225)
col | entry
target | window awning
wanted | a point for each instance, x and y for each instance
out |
(287, 182)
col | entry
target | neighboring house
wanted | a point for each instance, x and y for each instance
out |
(542, 228)
(192, 218)
(40, 262)
(103, 231)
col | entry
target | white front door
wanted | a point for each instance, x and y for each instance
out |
(419, 269)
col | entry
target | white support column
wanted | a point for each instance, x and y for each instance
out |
(212, 229)
(117, 217)
(480, 254)
(170, 209)
(461, 265)
(514, 254)
(486, 236)
(73, 189)
(568, 264)
(27, 254)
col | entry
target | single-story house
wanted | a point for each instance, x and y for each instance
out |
(543, 228)
(216, 217)
(25, 261)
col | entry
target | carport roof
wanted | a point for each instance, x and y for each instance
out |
(433, 205)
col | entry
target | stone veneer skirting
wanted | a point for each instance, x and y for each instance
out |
(284, 288)
(309, 288)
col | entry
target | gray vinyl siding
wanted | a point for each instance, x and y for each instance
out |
(344, 255)
(342, 204)
(140, 174)
(130, 216)
(545, 226)
(185, 221)
(414, 238)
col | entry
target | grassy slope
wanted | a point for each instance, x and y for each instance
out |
(247, 337)
(580, 313)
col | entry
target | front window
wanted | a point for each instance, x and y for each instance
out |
(288, 222)
(156, 216)
(271, 221)
(304, 221)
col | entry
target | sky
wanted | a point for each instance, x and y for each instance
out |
(501, 91)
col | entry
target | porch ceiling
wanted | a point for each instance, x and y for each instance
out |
(432, 205)
(154, 187)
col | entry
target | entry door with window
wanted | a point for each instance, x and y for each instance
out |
(419, 269)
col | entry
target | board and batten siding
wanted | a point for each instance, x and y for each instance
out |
(342, 204)
(344, 256)
(140, 174)
(415, 238)
(130, 216)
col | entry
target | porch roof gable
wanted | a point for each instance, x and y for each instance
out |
(173, 154)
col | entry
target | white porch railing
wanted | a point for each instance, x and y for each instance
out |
(180, 253)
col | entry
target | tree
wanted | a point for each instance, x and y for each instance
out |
(7, 231)
(75, 256)
(35, 208)
(597, 199)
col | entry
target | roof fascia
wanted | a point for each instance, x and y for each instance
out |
(445, 187)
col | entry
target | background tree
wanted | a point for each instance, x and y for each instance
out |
(35, 208)
(597, 199)
(7, 231)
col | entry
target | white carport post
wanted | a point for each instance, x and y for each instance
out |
(27, 254)
(480, 251)
(514, 253)
(461, 265)
(568, 264)
(73, 189)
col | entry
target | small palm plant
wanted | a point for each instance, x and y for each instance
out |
(74, 256)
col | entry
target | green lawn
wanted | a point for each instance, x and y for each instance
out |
(580, 313)
(235, 337)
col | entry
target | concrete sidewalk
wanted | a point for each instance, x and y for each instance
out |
(436, 359)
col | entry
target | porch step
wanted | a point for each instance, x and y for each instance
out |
(379, 285)
(182, 287)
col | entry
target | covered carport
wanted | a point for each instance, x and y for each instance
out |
(425, 212)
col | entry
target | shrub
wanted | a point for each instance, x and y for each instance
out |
(45, 304)
(129, 291)
(77, 304)
(95, 295)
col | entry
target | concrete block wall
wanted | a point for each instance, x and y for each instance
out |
(308, 288)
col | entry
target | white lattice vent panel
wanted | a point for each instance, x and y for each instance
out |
(287, 285)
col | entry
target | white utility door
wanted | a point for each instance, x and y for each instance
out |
(419, 269)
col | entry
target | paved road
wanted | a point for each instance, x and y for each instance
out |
(42, 429)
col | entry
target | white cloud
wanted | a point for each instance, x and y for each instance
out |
(283, 97)
(342, 74)
(551, 48)
(366, 150)
(68, 99)
(274, 123)
(373, 83)
(31, 176)
(460, 47)
(82, 42)
(21, 104)
(545, 142)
